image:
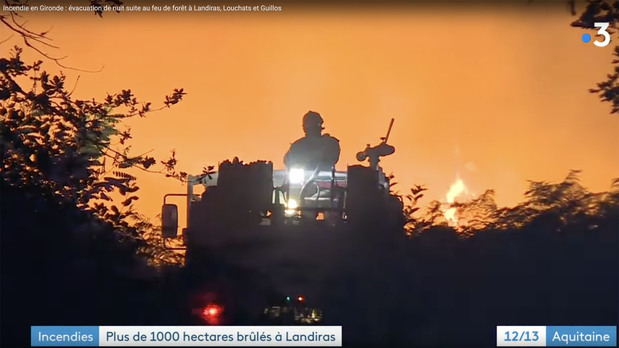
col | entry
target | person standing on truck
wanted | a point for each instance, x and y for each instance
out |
(314, 150)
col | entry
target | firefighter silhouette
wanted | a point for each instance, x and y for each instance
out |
(315, 150)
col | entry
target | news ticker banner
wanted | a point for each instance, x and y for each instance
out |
(273, 336)
(552, 336)
(185, 336)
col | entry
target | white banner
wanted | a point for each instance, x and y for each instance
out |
(521, 336)
(220, 336)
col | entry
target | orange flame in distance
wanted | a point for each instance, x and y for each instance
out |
(457, 189)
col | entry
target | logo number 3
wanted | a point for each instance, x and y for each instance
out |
(603, 26)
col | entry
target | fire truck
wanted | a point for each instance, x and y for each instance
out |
(297, 229)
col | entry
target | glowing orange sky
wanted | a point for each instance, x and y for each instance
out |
(497, 95)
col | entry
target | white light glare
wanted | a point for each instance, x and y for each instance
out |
(291, 207)
(296, 175)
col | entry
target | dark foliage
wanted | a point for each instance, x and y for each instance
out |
(550, 260)
(73, 248)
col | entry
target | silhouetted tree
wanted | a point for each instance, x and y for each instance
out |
(72, 250)
(478, 214)
(67, 150)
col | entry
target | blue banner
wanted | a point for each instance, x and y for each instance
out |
(64, 336)
(581, 336)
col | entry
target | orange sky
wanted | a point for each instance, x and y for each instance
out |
(495, 94)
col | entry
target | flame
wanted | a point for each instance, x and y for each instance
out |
(457, 189)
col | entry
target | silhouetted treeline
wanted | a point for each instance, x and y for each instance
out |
(62, 265)
(550, 260)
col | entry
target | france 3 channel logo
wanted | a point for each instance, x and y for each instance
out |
(603, 26)
(556, 336)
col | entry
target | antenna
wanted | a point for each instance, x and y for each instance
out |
(388, 131)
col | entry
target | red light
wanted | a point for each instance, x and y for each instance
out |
(300, 298)
(211, 311)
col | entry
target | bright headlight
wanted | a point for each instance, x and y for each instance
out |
(292, 204)
(296, 176)
(291, 207)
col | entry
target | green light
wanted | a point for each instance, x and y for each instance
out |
(288, 298)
